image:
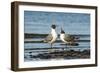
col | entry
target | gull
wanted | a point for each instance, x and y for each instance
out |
(51, 38)
(68, 39)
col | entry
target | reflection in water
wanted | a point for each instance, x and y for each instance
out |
(46, 45)
(42, 51)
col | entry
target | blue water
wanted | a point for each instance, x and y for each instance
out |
(82, 45)
(41, 48)
(40, 23)
(72, 23)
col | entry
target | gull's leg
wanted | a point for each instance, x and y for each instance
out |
(70, 44)
(51, 45)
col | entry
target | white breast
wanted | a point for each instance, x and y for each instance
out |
(62, 36)
(54, 35)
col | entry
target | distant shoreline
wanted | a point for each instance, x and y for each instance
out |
(35, 35)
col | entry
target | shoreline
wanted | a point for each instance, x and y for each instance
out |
(66, 54)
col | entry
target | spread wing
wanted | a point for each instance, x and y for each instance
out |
(48, 38)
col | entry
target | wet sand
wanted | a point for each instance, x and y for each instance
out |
(64, 54)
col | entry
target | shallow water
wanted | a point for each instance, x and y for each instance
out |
(40, 48)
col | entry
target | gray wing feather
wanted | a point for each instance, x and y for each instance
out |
(69, 38)
(48, 38)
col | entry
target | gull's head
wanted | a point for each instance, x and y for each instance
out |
(53, 26)
(62, 31)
